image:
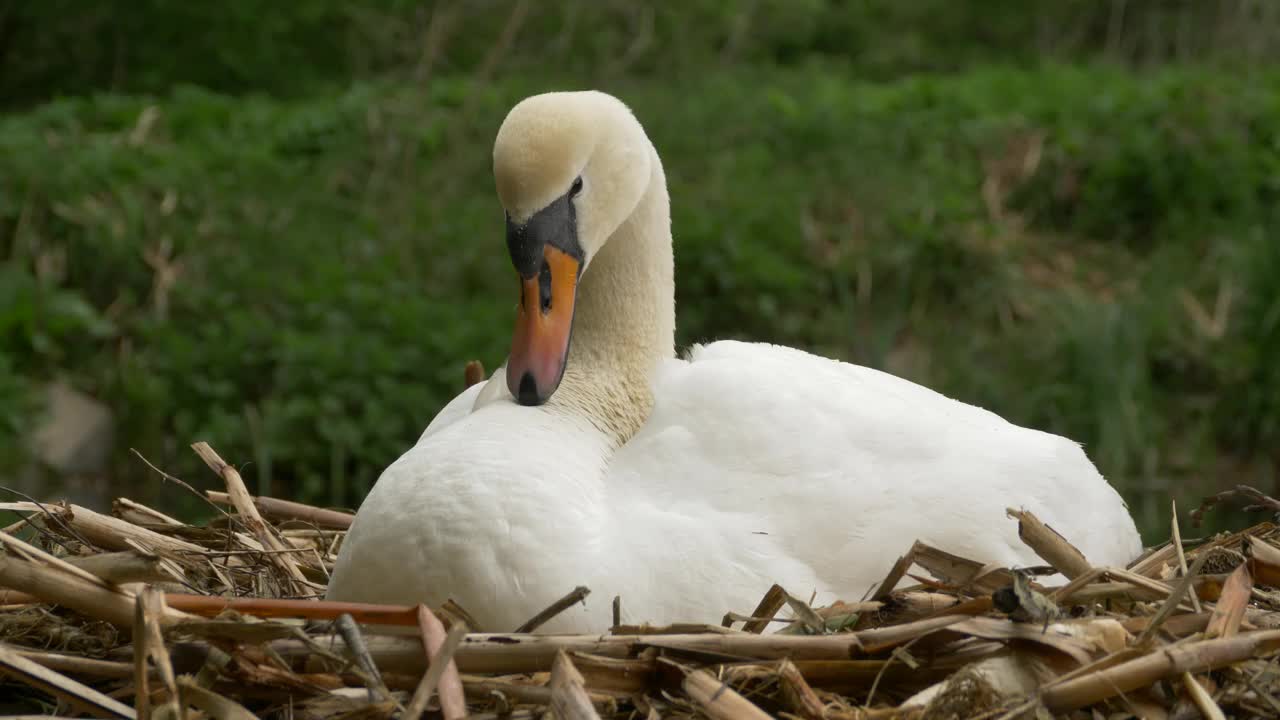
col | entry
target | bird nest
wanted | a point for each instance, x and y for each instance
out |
(137, 614)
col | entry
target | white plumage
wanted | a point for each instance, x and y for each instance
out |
(753, 464)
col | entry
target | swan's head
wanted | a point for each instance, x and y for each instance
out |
(570, 169)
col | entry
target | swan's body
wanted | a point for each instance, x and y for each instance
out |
(686, 486)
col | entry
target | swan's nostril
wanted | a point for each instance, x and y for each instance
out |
(528, 394)
(544, 287)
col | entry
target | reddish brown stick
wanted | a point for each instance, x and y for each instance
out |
(453, 702)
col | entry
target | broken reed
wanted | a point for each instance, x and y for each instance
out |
(133, 613)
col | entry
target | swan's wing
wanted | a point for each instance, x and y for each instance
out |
(456, 409)
(470, 400)
(851, 465)
(495, 388)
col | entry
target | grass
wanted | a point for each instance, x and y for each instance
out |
(300, 281)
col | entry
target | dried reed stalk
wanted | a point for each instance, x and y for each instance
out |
(1170, 604)
(716, 699)
(473, 373)
(1049, 545)
(573, 597)
(1202, 699)
(442, 667)
(1177, 547)
(958, 571)
(1172, 660)
(931, 640)
(77, 665)
(79, 695)
(251, 518)
(796, 691)
(484, 688)
(213, 704)
(774, 598)
(148, 645)
(1229, 612)
(36, 555)
(366, 613)
(139, 514)
(89, 598)
(122, 567)
(569, 699)
(625, 676)
(441, 662)
(107, 532)
(1265, 559)
(280, 510)
(512, 653)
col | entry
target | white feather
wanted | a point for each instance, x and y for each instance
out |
(759, 464)
(689, 486)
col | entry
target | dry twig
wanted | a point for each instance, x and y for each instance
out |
(569, 699)
(280, 510)
(574, 596)
(442, 671)
(77, 694)
(716, 699)
(250, 516)
(939, 641)
(1259, 502)
(1049, 545)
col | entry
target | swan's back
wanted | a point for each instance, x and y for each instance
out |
(759, 464)
(845, 466)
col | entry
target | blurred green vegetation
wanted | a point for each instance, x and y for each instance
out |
(272, 226)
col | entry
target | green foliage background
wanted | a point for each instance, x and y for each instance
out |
(271, 226)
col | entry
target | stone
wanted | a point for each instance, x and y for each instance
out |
(75, 432)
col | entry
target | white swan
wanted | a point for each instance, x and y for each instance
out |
(686, 486)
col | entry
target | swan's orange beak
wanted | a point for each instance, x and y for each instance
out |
(544, 324)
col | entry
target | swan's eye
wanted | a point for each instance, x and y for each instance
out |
(576, 187)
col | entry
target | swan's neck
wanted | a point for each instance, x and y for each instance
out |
(625, 319)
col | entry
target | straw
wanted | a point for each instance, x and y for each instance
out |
(136, 613)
